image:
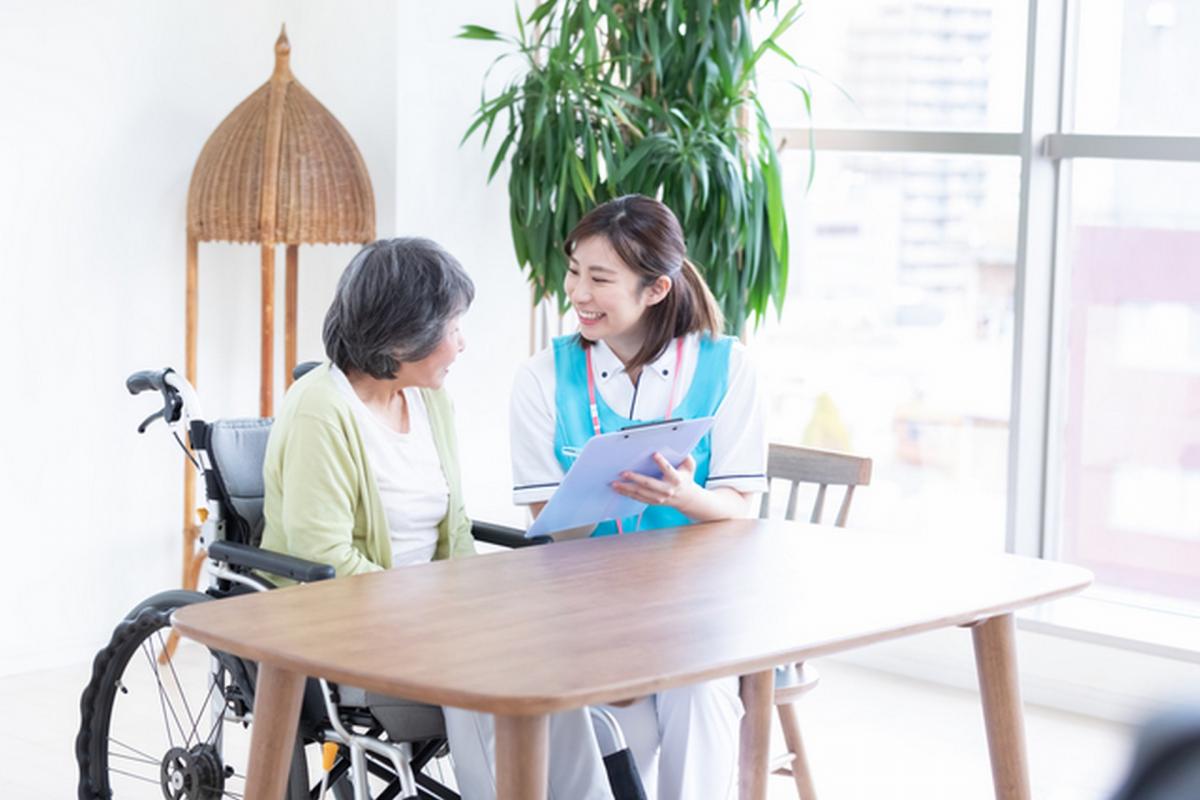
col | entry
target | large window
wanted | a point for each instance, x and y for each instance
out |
(995, 287)
(953, 65)
(897, 338)
(897, 335)
(1125, 445)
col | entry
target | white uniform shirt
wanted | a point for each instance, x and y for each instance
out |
(407, 472)
(739, 450)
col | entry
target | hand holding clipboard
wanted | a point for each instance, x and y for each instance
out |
(586, 496)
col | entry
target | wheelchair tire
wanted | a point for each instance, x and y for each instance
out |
(190, 757)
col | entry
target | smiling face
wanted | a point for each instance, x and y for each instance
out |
(607, 295)
(430, 372)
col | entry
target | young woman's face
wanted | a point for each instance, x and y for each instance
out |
(430, 372)
(607, 295)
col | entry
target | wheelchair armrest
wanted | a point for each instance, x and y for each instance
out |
(504, 535)
(243, 555)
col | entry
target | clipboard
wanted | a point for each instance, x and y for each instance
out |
(586, 496)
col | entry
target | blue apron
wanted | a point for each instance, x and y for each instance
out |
(573, 424)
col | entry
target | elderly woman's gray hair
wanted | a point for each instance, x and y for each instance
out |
(392, 305)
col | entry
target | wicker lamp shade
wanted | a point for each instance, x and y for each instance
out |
(281, 169)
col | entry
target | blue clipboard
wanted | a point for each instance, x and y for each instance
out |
(586, 496)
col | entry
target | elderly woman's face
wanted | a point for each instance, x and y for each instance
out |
(430, 371)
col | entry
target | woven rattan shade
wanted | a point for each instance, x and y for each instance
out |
(281, 138)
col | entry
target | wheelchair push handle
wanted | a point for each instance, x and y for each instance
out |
(145, 380)
(179, 398)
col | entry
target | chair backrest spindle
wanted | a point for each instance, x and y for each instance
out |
(844, 511)
(818, 505)
(793, 494)
(824, 468)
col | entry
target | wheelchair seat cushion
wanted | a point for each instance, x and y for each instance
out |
(404, 720)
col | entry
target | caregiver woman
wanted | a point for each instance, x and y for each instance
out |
(649, 347)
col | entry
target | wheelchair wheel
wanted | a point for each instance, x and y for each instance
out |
(177, 726)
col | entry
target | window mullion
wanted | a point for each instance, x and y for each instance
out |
(1115, 146)
(1034, 292)
(977, 143)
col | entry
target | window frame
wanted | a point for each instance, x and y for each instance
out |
(1046, 151)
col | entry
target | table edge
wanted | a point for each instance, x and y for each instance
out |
(483, 701)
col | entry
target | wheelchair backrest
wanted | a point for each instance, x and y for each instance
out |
(236, 450)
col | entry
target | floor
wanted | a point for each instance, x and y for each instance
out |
(870, 735)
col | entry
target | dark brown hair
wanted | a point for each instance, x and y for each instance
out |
(646, 236)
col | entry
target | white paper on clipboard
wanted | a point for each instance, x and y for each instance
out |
(586, 496)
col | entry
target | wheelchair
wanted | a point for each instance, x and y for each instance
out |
(199, 703)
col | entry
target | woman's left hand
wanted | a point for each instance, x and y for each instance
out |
(674, 488)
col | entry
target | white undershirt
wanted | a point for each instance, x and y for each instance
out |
(407, 472)
(739, 443)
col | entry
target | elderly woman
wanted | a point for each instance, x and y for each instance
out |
(362, 471)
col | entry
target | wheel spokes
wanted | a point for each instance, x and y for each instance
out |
(187, 710)
(196, 728)
(115, 771)
(134, 750)
(164, 701)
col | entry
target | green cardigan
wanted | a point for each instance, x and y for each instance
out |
(321, 501)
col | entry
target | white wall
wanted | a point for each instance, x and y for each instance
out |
(441, 193)
(105, 109)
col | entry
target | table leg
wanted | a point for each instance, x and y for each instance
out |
(996, 663)
(758, 696)
(277, 699)
(522, 756)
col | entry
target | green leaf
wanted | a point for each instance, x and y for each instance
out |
(788, 20)
(560, 206)
(779, 51)
(541, 12)
(479, 120)
(503, 151)
(518, 229)
(528, 215)
(643, 149)
(584, 181)
(480, 32)
(775, 214)
(539, 116)
(702, 175)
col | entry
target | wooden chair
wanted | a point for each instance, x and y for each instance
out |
(823, 468)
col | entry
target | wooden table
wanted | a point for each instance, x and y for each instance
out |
(525, 633)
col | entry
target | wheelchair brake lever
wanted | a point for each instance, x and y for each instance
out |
(146, 422)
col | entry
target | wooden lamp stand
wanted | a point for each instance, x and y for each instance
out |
(280, 169)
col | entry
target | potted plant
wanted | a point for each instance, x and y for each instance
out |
(656, 97)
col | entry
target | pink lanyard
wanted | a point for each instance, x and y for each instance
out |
(591, 378)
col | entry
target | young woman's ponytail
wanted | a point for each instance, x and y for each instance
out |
(706, 313)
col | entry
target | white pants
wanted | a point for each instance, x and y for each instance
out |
(685, 740)
(576, 766)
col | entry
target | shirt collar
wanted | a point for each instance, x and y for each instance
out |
(605, 362)
(608, 366)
